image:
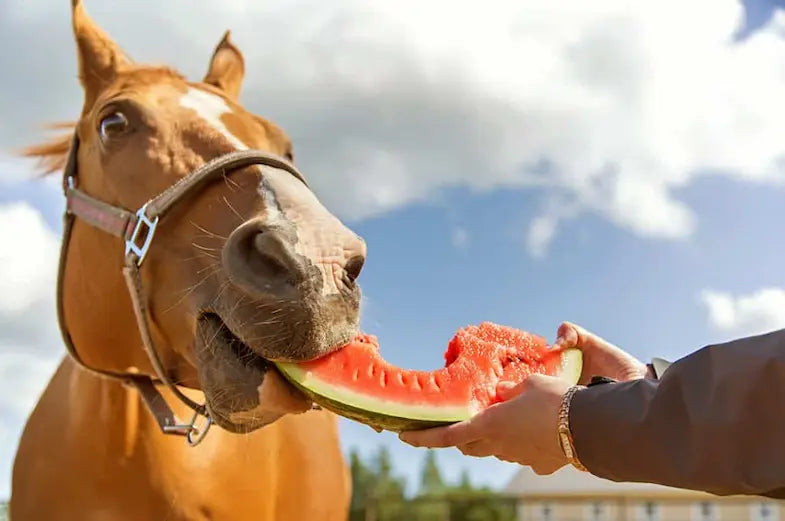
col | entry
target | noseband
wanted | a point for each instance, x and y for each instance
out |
(137, 229)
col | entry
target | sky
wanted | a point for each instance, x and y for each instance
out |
(617, 164)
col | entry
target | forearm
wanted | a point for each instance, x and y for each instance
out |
(715, 421)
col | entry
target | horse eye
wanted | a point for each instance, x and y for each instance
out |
(113, 125)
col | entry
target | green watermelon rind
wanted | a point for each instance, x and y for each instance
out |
(397, 417)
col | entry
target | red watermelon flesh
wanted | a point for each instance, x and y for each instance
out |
(356, 382)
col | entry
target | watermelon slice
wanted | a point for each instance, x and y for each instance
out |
(357, 383)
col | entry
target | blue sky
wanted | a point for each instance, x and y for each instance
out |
(657, 226)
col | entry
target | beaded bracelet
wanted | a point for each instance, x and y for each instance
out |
(565, 436)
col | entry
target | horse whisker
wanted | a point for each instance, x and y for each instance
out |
(208, 232)
(242, 219)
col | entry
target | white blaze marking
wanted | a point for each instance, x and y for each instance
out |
(210, 108)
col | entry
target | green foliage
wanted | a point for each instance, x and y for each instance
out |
(465, 482)
(431, 483)
(378, 495)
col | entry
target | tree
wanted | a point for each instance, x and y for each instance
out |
(470, 503)
(379, 495)
(362, 482)
(430, 504)
(386, 484)
(431, 482)
(386, 500)
(465, 483)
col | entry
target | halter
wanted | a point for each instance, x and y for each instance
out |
(137, 229)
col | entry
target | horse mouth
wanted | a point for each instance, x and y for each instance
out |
(223, 338)
(244, 391)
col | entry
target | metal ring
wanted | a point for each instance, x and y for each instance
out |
(200, 434)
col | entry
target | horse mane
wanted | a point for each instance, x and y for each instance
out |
(53, 154)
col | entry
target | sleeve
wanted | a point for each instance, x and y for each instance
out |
(714, 421)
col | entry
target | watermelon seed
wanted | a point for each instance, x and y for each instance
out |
(384, 378)
(356, 375)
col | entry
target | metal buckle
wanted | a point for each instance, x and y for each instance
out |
(130, 243)
(193, 434)
(200, 434)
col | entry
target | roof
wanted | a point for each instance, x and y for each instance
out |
(568, 481)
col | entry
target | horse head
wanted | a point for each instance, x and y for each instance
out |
(248, 269)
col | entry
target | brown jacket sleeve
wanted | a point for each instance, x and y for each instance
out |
(714, 421)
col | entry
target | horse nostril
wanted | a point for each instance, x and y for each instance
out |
(271, 257)
(354, 266)
(261, 259)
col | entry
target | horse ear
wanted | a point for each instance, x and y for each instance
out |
(99, 57)
(227, 67)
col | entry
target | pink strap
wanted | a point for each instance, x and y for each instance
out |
(111, 219)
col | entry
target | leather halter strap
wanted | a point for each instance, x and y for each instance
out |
(133, 228)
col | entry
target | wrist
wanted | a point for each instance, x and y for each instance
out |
(565, 435)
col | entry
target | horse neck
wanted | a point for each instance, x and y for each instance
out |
(97, 307)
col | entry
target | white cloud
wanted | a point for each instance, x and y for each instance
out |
(13, 170)
(459, 238)
(741, 315)
(29, 248)
(16, 171)
(623, 102)
(30, 346)
(540, 235)
(23, 378)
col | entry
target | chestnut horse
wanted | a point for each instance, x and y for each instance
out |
(194, 254)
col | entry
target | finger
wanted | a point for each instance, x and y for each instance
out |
(478, 449)
(448, 436)
(509, 390)
(566, 336)
(586, 339)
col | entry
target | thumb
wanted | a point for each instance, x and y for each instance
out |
(567, 336)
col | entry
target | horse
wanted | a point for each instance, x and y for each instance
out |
(194, 256)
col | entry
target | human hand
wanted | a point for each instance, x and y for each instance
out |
(522, 429)
(600, 357)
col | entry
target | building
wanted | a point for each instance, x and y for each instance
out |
(571, 495)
